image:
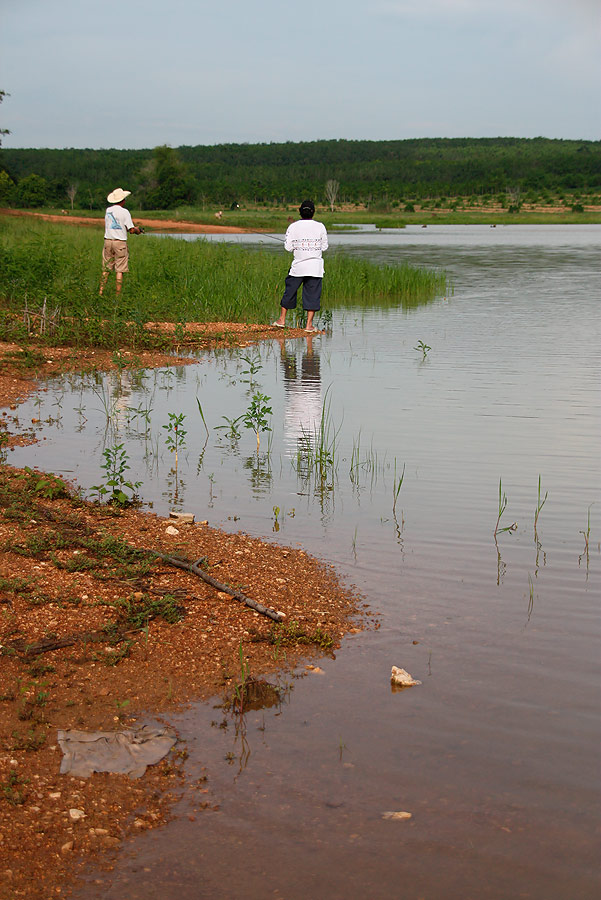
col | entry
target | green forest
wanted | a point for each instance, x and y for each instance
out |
(368, 173)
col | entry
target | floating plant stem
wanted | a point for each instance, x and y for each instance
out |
(531, 595)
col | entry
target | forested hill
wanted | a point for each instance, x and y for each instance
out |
(365, 170)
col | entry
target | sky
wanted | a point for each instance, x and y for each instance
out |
(146, 72)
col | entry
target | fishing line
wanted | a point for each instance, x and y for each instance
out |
(263, 234)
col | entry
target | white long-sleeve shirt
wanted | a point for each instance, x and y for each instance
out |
(307, 239)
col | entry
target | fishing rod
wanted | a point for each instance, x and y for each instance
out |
(264, 234)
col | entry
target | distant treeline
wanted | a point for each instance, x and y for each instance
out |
(367, 172)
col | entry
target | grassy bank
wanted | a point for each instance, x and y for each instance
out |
(170, 281)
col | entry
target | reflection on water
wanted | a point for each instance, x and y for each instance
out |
(495, 754)
(303, 400)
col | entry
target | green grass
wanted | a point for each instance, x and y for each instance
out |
(170, 280)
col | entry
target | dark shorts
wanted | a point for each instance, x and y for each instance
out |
(311, 292)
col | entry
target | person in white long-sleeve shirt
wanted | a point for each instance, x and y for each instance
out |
(307, 239)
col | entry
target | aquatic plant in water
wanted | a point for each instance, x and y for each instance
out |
(116, 483)
(255, 417)
(176, 434)
(502, 508)
(422, 348)
(539, 506)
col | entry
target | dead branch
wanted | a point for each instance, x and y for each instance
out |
(219, 586)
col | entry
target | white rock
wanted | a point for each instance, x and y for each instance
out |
(401, 676)
(171, 530)
(77, 814)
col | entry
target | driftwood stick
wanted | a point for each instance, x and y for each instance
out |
(218, 585)
(89, 637)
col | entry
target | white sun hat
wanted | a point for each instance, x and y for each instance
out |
(118, 195)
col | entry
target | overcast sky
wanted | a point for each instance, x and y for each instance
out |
(137, 74)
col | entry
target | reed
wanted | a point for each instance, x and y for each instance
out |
(501, 510)
(397, 485)
(539, 505)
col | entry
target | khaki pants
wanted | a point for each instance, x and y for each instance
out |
(115, 256)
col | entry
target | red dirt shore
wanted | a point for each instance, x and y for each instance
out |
(59, 581)
(163, 224)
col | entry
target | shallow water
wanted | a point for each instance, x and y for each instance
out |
(496, 753)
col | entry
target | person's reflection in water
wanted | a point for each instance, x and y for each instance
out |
(302, 393)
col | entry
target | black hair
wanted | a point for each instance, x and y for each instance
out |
(307, 209)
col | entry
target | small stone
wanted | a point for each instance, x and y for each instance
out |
(101, 831)
(222, 595)
(55, 795)
(77, 814)
(67, 848)
(139, 823)
(402, 677)
(204, 522)
(171, 530)
(397, 816)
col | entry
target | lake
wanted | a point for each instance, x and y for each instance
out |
(496, 753)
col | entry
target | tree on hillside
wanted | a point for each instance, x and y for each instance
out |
(71, 192)
(332, 188)
(7, 189)
(32, 191)
(165, 180)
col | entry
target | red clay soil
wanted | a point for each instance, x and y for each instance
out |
(65, 573)
(162, 224)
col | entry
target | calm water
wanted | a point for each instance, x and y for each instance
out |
(496, 754)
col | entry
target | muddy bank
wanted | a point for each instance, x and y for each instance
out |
(95, 636)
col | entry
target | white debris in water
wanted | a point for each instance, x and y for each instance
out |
(397, 816)
(182, 518)
(401, 676)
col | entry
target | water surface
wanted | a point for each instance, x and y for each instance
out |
(496, 753)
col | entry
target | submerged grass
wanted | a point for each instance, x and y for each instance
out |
(170, 280)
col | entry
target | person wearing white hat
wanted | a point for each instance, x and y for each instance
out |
(117, 225)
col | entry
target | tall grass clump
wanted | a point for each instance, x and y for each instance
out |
(170, 280)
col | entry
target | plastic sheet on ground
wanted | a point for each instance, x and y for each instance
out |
(126, 752)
